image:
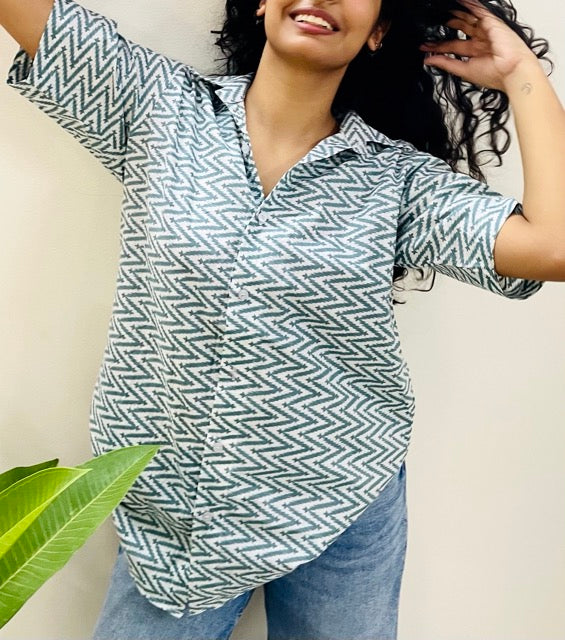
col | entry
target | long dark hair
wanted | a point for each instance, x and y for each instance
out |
(420, 99)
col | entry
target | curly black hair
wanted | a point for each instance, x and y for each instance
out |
(438, 112)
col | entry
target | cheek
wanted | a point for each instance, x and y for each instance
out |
(362, 15)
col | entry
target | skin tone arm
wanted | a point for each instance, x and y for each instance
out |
(540, 122)
(532, 245)
(25, 21)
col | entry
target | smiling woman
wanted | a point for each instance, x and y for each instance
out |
(339, 73)
(266, 214)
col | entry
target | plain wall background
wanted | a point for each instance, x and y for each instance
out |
(486, 550)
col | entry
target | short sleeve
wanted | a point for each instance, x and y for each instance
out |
(449, 221)
(91, 80)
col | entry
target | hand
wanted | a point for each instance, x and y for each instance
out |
(492, 54)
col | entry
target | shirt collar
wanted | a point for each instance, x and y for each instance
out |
(354, 132)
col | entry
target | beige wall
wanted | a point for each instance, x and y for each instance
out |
(486, 554)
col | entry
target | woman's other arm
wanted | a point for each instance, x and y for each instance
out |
(25, 21)
(531, 245)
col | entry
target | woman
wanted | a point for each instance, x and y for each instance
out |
(252, 334)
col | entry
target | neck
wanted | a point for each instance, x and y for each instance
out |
(292, 102)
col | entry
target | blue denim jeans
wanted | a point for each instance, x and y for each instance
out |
(349, 592)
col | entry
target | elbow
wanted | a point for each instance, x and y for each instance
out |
(560, 264)
(558, 259)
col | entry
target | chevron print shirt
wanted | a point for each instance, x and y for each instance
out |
(253, 337)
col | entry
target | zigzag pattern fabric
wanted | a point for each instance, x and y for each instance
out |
(252, 337)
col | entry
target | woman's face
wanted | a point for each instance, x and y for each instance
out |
(356, 25)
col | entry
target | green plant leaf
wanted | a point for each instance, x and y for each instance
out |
(24, 500)
(66, 523)
(17, 473)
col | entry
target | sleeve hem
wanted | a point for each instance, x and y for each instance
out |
(24, 69)
(45, 80)
(510, 287)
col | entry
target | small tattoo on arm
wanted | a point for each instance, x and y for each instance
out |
(527, 88)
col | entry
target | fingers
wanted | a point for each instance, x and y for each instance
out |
(458, 47)
(451, 65)
(462, 25)
(464, 15)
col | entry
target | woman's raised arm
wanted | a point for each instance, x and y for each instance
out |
(97, 84)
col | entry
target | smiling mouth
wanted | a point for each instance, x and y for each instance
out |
(313, 20)
(314, 29)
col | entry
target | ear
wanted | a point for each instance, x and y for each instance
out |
(262, 8)
(378, 33)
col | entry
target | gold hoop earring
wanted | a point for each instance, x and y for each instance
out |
(374, 53)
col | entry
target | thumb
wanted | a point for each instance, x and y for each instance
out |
(450, 65)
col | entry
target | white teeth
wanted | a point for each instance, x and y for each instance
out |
(306, 17)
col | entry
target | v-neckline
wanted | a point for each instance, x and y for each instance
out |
(250, 159)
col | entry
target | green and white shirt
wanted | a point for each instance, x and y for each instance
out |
(252, 337)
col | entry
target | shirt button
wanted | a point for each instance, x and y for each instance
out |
(245, 147)
(263, 216)
(242, 293)
(206, 516)
(217, 445)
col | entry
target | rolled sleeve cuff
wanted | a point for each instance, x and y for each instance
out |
(518, 288)
(69, 78)
(478, 267)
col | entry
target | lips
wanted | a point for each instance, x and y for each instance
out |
(316, 12)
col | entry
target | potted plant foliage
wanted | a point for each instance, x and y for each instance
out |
(47, 512)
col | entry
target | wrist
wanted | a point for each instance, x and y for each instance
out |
(524, 79)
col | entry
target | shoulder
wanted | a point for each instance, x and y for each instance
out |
(400, 154)
(413, 161)
(368, 139)
(407, 154)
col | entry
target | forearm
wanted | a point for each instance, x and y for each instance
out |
(25, 21)
(539, 117)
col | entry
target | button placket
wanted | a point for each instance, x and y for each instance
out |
(207, 516)
(218, 466)
(204, 513)
(240, 292)
(245, 147)
(217, 445)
